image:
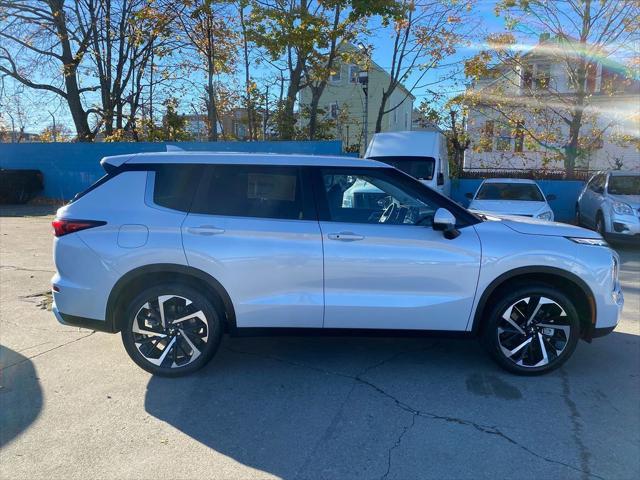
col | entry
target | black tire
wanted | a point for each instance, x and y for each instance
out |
(499, 336)
(199, 336)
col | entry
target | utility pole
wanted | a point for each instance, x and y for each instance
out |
(363, 79)
(55, 131)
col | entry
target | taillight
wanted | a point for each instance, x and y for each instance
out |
(63, 226)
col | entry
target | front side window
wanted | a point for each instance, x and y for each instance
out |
(252, 191)
(510, 191)
(597, 184)
(379, 196)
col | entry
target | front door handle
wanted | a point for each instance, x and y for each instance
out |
(345, 236)
(206, 230)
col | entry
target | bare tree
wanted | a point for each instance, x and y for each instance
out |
(42, 47)
(423, 36)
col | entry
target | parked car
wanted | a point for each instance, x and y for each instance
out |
(173, 249)
(20, 186)
(422, 155)
(510, 196)
(610, 203)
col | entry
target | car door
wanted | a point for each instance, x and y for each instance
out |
(591, 199)
(385, 266)
(255, 230)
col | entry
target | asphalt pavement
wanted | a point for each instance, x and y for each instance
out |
(72, 404)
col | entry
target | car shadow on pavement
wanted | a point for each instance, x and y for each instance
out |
(309, 407)
(28, 210)
(20, 394)
(281, 404)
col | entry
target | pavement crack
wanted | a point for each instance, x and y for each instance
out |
(576, 425)
(397, 444)
(25, 359)
(22, 269)
(486, 429)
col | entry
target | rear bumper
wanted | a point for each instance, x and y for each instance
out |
(88, 323)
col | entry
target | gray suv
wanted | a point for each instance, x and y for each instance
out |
(610, 203)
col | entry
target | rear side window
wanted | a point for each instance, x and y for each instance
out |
(175, 185)
(253, 191)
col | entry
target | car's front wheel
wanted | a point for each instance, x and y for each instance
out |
(171, 329)
(532, 329)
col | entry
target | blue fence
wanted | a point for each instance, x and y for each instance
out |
(69, 168)
(566, 192)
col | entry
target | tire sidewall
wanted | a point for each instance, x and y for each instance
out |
(178, 289)
(490, 337)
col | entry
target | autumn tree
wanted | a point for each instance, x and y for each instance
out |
(209, 28)
(423, 35)
(526, 90)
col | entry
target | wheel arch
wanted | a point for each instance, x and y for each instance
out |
(131, 282)
(568, 282)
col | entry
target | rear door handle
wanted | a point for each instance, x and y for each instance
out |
(206, 230)
(345, 236)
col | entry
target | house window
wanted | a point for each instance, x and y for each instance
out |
(406, 119)
(333, 110)
(486, 139)
(503, 141)
(518, 145)
(527, 76)
(395, 116)
(335, 78)
(354, 70)
(592, 75)
(543, 76)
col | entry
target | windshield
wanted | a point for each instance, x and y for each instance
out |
(418, 167)
(624, 185)
(510, 191)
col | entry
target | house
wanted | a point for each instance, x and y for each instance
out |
(231, 125)
(343, 103)
(515, 113)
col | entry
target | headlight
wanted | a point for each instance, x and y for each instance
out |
(598, 242)
(622, 208)
(545, 215)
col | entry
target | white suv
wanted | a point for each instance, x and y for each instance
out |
(173, 249)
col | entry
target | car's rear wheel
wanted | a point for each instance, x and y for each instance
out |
(532, 330)
(171, 329)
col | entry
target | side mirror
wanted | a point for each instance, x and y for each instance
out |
(444, 221)
(551, 197)
(440, 180)
(469, 195)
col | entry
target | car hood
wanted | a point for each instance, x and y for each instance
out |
(632, 200)
(508, 207)
(532, 226)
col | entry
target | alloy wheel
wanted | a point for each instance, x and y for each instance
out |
(170, 331)
(533, 331)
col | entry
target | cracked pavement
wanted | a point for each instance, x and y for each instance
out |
(72, 404)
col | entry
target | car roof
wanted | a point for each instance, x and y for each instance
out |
(239, 159)
(625, 173)
(510, 180)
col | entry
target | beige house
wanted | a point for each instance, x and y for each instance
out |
(538, 91)
(343, 102)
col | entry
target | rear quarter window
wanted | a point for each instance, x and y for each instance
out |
(175, 186)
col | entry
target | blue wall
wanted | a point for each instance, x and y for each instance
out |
(566, 192)
(69, 168)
